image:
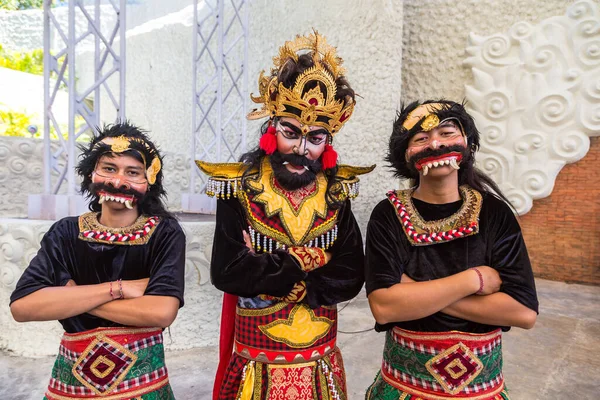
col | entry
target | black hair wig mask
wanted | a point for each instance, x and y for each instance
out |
(118, 139)
(419, 117)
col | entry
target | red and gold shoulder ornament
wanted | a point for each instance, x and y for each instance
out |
(278, 218)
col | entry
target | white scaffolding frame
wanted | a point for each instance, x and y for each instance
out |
(60, 70)
(220, 90)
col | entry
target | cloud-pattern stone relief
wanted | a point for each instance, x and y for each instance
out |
(536, 99)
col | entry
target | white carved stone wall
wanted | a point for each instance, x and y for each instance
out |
(21, 167)
(195, 326)
(536, 99)
(434, 66)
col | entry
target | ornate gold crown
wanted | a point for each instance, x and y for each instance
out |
(308, 106)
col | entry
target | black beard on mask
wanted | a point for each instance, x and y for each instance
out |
(291, 180)
(95, 188)
(457, 148)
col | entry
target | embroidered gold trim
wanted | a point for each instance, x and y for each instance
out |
(281, 358)
(309, 258)
(419, 232)
(258, 312)
(121, 376)
(102, 360)
(299, 365)
(89, 222)
(297, 225)
(102, 332)
(467, 213)
(301, 329)
(120, 396)
(453, 335)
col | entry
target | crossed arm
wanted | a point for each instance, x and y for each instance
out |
(136, 309)
(454, 295)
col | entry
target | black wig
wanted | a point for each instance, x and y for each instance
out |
(467, 174)
(152, 203)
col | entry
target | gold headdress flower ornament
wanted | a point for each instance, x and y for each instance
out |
(305, 101)
(425, 118)
(120, 144)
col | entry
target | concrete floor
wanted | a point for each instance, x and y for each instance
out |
(558, 359)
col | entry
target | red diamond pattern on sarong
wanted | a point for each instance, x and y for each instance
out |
(455, 368)
(103, 365)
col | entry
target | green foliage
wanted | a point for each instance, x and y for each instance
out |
(13, 5)
(14, 123)
(32, 61)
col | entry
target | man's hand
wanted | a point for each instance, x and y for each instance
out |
(491, 280)
(131, 289)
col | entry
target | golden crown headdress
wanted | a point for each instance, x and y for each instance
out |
(308, 106)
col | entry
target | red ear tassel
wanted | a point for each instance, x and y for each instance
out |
(268, 141)
(329, 157)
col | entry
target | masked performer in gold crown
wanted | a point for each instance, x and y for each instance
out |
(287, 248)
(446, 265)
(113, 277)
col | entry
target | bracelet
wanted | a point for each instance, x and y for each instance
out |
(480, 291)
(111, 292)
(122, 297)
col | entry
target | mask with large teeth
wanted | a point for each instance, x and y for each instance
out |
(129, 197)
(428, 159)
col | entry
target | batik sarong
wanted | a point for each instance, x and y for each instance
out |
(440, 366)
(111, 364)
(286, 351)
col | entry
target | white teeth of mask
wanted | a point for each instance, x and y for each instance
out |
(435, 164)
(425, 170)
(102, 199)
(128, 204)
(306, 168)
(453, 164)
(285, 162)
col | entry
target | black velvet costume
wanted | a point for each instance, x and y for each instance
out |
(65, 255)
(499, 244)
(235, 270)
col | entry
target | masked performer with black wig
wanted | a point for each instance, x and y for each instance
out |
(287, 248)
(112, 277)
(446, 265)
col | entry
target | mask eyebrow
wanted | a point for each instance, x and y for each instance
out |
(107, 163)
(448, 123)
(318, 132)
(294, 128)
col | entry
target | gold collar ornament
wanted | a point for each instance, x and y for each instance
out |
(120, 144)
(311, 107)
(463, 223)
